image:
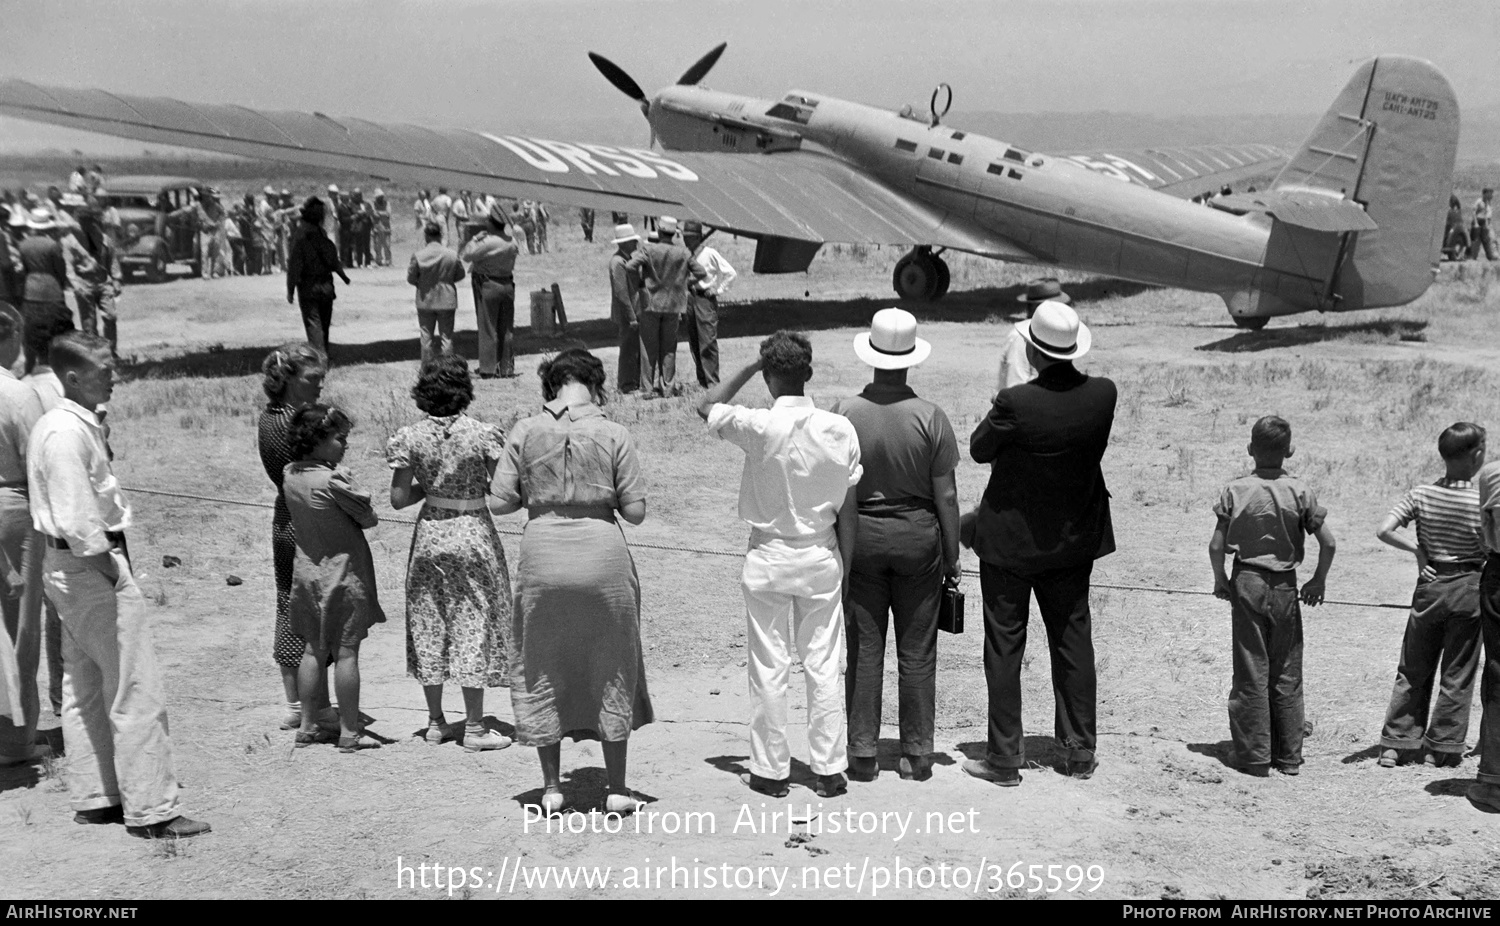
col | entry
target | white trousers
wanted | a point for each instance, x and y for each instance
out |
(793, 596)
(114, 717)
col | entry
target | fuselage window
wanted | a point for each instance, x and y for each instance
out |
(1015, 154)
(997, 169)
(1014, 174)
(905, 145)
(935, 153)
(955, 158)
(958, 136)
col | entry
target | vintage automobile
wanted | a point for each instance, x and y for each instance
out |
(151, 238)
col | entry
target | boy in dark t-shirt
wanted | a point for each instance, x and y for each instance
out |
(1262, 519)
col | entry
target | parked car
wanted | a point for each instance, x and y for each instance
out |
(151, 238)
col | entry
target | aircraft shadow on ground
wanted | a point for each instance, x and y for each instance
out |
(736, 320)
(1276, 338)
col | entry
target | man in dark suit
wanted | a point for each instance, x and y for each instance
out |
(1043, 521)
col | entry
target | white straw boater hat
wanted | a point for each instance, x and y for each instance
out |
(892, 342)
(1056, 331)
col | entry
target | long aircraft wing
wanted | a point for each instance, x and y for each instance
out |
(1184, 172)
(802, 195)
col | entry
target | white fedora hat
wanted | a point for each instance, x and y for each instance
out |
(892, 342)
(666, 225)
(40, 220)
(1056, 331)
(624, 233)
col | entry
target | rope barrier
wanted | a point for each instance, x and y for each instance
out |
(737, 554)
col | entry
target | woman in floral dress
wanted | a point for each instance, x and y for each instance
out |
(458, 599)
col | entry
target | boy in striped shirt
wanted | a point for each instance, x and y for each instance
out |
(1442, 633)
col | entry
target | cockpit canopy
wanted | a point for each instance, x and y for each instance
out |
(794, 107)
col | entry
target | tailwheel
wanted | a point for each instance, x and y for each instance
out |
(918, 275)
(1250, 323)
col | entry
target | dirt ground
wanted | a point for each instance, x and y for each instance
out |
(1165, 816)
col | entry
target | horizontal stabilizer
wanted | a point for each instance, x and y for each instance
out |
(1313, 211)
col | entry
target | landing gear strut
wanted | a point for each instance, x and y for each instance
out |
(921, 274)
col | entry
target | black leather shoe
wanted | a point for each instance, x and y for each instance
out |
(1004, 777)
(864, 768)
(831, 785)
(770, 787)
(175, 828)
(115, 814)
(915, 768)
(1082, 769)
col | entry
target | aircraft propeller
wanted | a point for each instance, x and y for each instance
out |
(626, 84)
(623, 82)
(700, 70)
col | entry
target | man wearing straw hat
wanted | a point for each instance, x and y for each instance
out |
(625, 309)
(907, 542)
(44, 269)
(1014, 367)
(491, 255)
(1043, 521)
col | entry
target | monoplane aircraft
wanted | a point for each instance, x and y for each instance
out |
(1353, 220)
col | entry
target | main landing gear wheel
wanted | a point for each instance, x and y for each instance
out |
(1251, 323)
(920, 275)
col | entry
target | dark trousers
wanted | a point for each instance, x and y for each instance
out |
(659, 349)
(1443, 630)
(1489, 685)
(362, 255)
(495, 313)
(1265, 697)
(1062, 597)
(703, 339)
(631, 370)
(897, 571)
(346, 246)
(317, 319)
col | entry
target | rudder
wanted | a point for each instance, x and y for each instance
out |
(1388, 143)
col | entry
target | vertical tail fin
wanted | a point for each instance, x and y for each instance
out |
(1388, 143)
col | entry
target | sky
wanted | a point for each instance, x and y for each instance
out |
(521, 65)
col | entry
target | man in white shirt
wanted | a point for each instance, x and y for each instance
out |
(114, 705)
(441, 209)
(797, 493)
(703, 327)
(1482, 237)
(1015, 369)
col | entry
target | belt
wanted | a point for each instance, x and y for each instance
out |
(455, 504)
(598, 512)
(826, 538)
(492, 278)
(57, 543)
(1456, 569)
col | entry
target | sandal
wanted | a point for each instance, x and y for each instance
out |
(316, 737)
(355, 743)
